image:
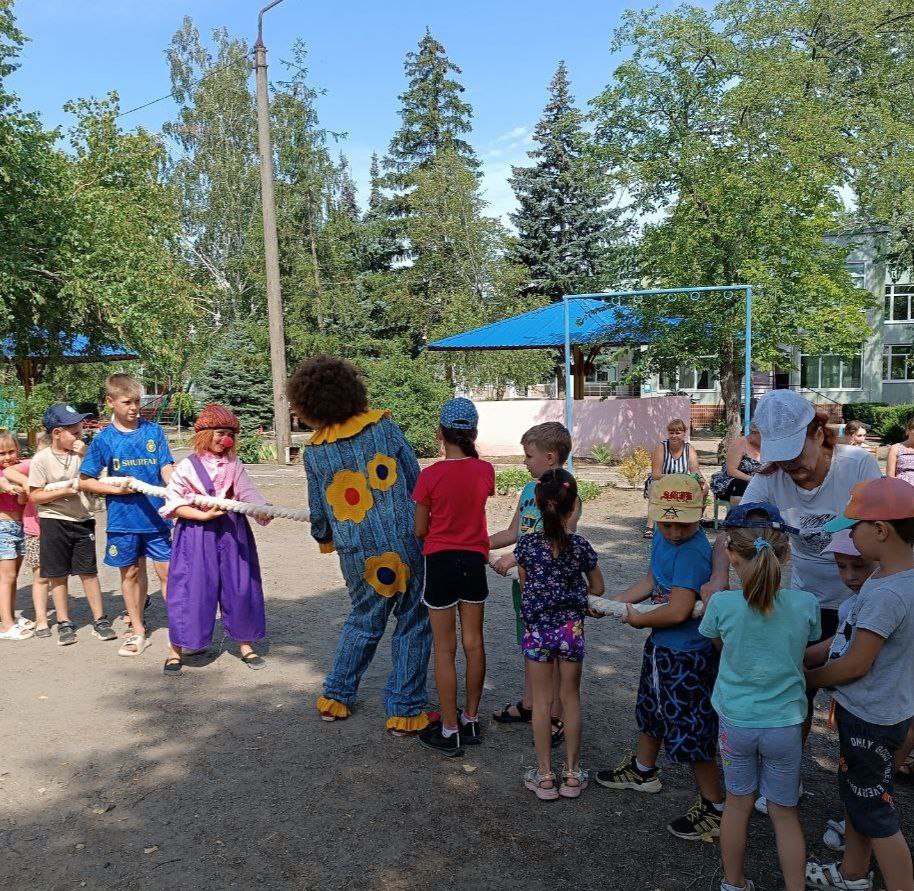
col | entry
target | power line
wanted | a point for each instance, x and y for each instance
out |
(172, 93)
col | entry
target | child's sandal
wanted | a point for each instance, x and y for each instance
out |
(536, 783)
(252, 660)
(574, 782)
(173, 667)
(558, 732)
(524, 715)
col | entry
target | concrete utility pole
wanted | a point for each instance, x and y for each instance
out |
(281, 425)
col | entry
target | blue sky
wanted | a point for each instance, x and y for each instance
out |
(508, 51)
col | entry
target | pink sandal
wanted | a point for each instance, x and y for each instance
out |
(535, 782)
(580, 778)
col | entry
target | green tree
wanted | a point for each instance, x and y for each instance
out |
(729, 159)
(564, 226)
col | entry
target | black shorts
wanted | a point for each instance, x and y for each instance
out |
(67, 548)
(455, 576)
(866, 772)
(829, 620)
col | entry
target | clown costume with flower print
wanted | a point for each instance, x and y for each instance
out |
(360, 472)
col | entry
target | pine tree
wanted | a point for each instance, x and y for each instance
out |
(375, 197)
(563, 223)
(433, 116)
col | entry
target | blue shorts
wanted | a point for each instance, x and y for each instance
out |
(765, 760)
(12, 540)
(126, 548)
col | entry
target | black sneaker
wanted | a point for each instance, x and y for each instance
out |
(102, 629)
(627, 776)
(66, 634)
(433, 738)
(470, 734)
(700, 823)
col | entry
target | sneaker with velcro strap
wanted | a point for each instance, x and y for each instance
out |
(102, 629)
(827, 877)
(66, 634)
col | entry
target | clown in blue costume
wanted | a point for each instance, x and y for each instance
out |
(361, 472)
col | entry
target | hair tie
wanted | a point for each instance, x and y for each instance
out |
(761, 544)
(566, 484)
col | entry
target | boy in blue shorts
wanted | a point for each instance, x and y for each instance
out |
(679, 665)
(131, 446)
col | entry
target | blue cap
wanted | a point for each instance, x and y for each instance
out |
(737, 518)
(459, 414)
(62, 415)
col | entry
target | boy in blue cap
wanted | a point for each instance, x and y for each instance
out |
(67, 524)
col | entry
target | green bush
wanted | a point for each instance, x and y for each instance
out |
(588, 490)
(602, 454)
(635, 467)
(183, 404)
(511, 479)
(254, 449)
(414, 395)
(888, 421)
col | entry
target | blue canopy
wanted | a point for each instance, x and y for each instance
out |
(593, 322)
(70, 349)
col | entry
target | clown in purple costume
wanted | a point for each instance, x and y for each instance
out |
(214, 556)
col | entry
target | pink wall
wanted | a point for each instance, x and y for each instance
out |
(621, 423)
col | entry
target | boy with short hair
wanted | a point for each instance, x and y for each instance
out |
(546, 446)
(873, 689)
(67, 540)
(680, 665)
(131, 446)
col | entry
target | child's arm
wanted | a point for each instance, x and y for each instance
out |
(572, 524)
(38, 495)
(595, 584)
(506, 562)
(852, 666)
(817, 654)
(640, 590)
(422, 516)
(13, 476)
(677, 610)
(166, 471)
(891, 460)
(246, 491)
(186, 512)
(97, 487)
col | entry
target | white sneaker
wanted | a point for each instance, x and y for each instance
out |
(761, 803)
(834, 835)
(827, 877)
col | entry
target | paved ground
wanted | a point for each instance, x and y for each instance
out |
(114, 777)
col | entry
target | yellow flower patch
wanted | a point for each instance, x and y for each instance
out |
(387, 574)
(349, 496)
(382, 472)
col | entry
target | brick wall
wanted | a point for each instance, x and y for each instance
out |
(705, 416)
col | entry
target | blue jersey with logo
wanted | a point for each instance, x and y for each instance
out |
(141, 453)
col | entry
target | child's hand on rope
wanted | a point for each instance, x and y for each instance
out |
(504, 564)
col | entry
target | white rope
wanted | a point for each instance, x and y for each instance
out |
(205, 501)
(606, 607)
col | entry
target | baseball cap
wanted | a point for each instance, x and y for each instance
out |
(886, 498)
(738, 517)
(782, 417)
(459, 414)
(62, 415)
(842, 543)
(676, 498)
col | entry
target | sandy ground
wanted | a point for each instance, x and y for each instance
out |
(113, 776)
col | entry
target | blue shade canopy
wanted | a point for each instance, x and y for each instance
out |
(69, 349)
(593, 322)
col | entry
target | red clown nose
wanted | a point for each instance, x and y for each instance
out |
(228, 441)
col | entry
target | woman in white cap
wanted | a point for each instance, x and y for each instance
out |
(809, 478)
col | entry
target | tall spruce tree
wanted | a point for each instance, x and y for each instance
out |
(563, 222)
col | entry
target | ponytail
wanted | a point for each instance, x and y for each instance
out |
(465, 440)
(764, 550)
(556, 498)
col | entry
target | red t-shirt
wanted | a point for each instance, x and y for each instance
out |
(455, 492)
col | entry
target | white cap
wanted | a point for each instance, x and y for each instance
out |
(782, 417)
(842, 543)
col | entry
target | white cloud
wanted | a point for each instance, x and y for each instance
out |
(513, 134)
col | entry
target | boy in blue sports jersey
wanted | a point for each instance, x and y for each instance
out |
(131, 446)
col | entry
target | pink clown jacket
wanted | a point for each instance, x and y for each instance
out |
(229, 477)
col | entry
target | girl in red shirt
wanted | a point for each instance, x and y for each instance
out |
(450, 498)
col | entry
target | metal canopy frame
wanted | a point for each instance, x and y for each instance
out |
(619, 297)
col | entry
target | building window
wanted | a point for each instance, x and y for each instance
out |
(830, 372)
(688, 377)
(898, 363)
(898, 303)
(857, 272)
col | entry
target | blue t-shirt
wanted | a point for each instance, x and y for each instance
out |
(530, 518)
(760, 682)
(141, 453)
(683, 565)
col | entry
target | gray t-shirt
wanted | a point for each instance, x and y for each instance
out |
(809, 510)
(885, 694)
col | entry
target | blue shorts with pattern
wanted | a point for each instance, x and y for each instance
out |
(12, 540)
(126, 548)
(674, 701)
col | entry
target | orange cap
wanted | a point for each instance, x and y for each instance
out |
(886, 498)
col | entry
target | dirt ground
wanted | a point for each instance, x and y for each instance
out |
(113, 776)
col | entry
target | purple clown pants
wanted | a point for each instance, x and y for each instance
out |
(214, 564)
